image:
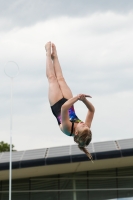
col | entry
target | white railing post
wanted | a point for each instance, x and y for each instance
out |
(8, 67)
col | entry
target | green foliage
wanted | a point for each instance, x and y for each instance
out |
(5, 147)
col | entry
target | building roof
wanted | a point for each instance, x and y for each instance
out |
(50, 160)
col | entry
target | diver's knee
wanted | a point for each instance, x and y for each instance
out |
(60, 79)
(52, 78)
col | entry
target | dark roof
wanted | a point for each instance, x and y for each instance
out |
(66, 154)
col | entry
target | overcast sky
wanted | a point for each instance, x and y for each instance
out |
(94, 41)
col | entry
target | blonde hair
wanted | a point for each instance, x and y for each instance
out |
(83, 139)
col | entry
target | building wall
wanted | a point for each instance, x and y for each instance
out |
(87, 185)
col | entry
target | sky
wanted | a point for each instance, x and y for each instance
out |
(94, 41)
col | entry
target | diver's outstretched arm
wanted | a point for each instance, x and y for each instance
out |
(90, 113)
(88, 104)
(91, 109)
(68, 104)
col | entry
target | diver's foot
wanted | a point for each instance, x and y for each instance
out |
(54, 52)
(48, 48)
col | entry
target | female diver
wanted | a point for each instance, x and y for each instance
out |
(61, 102)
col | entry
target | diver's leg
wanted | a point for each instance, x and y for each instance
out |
(55, 93)
(59, 75)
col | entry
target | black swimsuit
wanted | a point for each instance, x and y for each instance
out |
(56, 110)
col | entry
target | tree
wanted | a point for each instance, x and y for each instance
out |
(5, 147)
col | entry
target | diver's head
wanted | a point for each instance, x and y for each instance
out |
(83, 134)
(83, 137)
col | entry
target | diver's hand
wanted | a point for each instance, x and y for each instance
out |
(86, 95)
(82, 97)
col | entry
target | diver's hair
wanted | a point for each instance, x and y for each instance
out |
(86, 152)
(84, 137)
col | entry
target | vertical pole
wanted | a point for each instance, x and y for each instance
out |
(1, 190)
(29, 189)
(10, 75)
(74, 188)
(58, 186)
(117, 186)
(87, 185)
(10, 170)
